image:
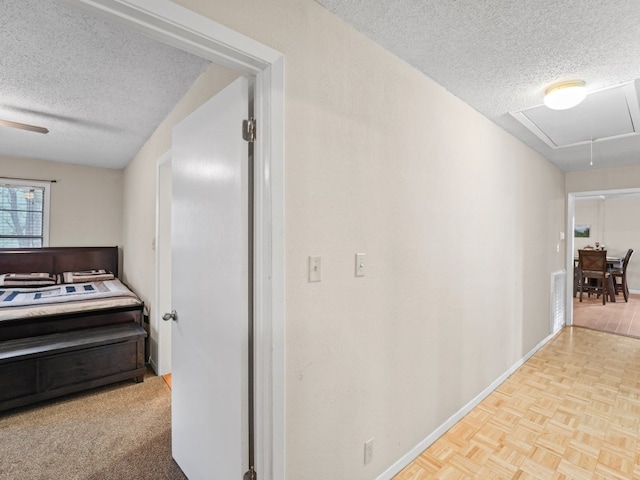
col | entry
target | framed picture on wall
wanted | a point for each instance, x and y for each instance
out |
(582, 231)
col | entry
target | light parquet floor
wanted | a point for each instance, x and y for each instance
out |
(572, 411)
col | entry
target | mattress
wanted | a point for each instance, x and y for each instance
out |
(65, 298)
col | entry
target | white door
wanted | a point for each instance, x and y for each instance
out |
(210, 294)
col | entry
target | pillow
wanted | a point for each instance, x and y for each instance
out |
(28, 279)
(87, 276)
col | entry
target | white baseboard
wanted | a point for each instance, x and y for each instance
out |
(153, 365)
(634, 291)
(412, 454)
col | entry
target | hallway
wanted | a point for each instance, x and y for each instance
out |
(570, 412)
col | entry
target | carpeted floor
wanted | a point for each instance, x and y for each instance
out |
(118, 432)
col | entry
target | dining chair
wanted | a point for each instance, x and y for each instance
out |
(621, 273)
(593, 274)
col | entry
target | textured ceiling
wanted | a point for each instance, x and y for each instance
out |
(99, 88)
(499, 56)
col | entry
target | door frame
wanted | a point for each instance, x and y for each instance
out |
(571, 213)
(160, 330)
(182, 28)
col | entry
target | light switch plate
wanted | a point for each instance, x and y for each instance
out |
(360, 264)
(315, 269)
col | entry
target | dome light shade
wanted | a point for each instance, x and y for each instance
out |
(562, 96)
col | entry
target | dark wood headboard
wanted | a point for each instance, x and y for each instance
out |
(58, 259)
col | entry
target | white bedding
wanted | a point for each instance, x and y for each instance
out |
(33, 302)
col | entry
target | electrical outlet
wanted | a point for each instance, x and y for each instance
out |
(368, 451)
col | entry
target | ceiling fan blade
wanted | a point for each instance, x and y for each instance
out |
(23, 126)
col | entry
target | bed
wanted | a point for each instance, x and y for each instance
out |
(75, 326)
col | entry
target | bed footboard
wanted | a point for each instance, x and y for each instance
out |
(47, 366)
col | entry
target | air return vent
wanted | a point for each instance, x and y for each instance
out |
(605, 114)
(558, 299)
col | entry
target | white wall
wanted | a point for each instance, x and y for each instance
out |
(622, 232)
(589, 212)
(460, 223)
(86, 202)
(597, 179)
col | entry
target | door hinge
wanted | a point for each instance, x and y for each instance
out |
(249, 130)
(250, 474)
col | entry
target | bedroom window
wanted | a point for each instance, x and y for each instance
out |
(24, 213)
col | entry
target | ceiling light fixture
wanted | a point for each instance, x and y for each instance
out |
(564, 95)
(23, 126)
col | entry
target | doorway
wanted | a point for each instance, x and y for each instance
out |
(170, 23)
(598, 235)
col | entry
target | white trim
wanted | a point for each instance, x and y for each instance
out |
(154, 365)
(415, 452)
(155, 360)
(46, 221)
(185, 29)
(571, 212)
(167, 22)
(269, 245)
(569, 262)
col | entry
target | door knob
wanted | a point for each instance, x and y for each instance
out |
(170, 316)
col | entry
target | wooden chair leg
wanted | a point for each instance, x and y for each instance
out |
(611, 288)
(581, 285)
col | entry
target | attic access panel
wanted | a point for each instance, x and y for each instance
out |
(604, 114)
